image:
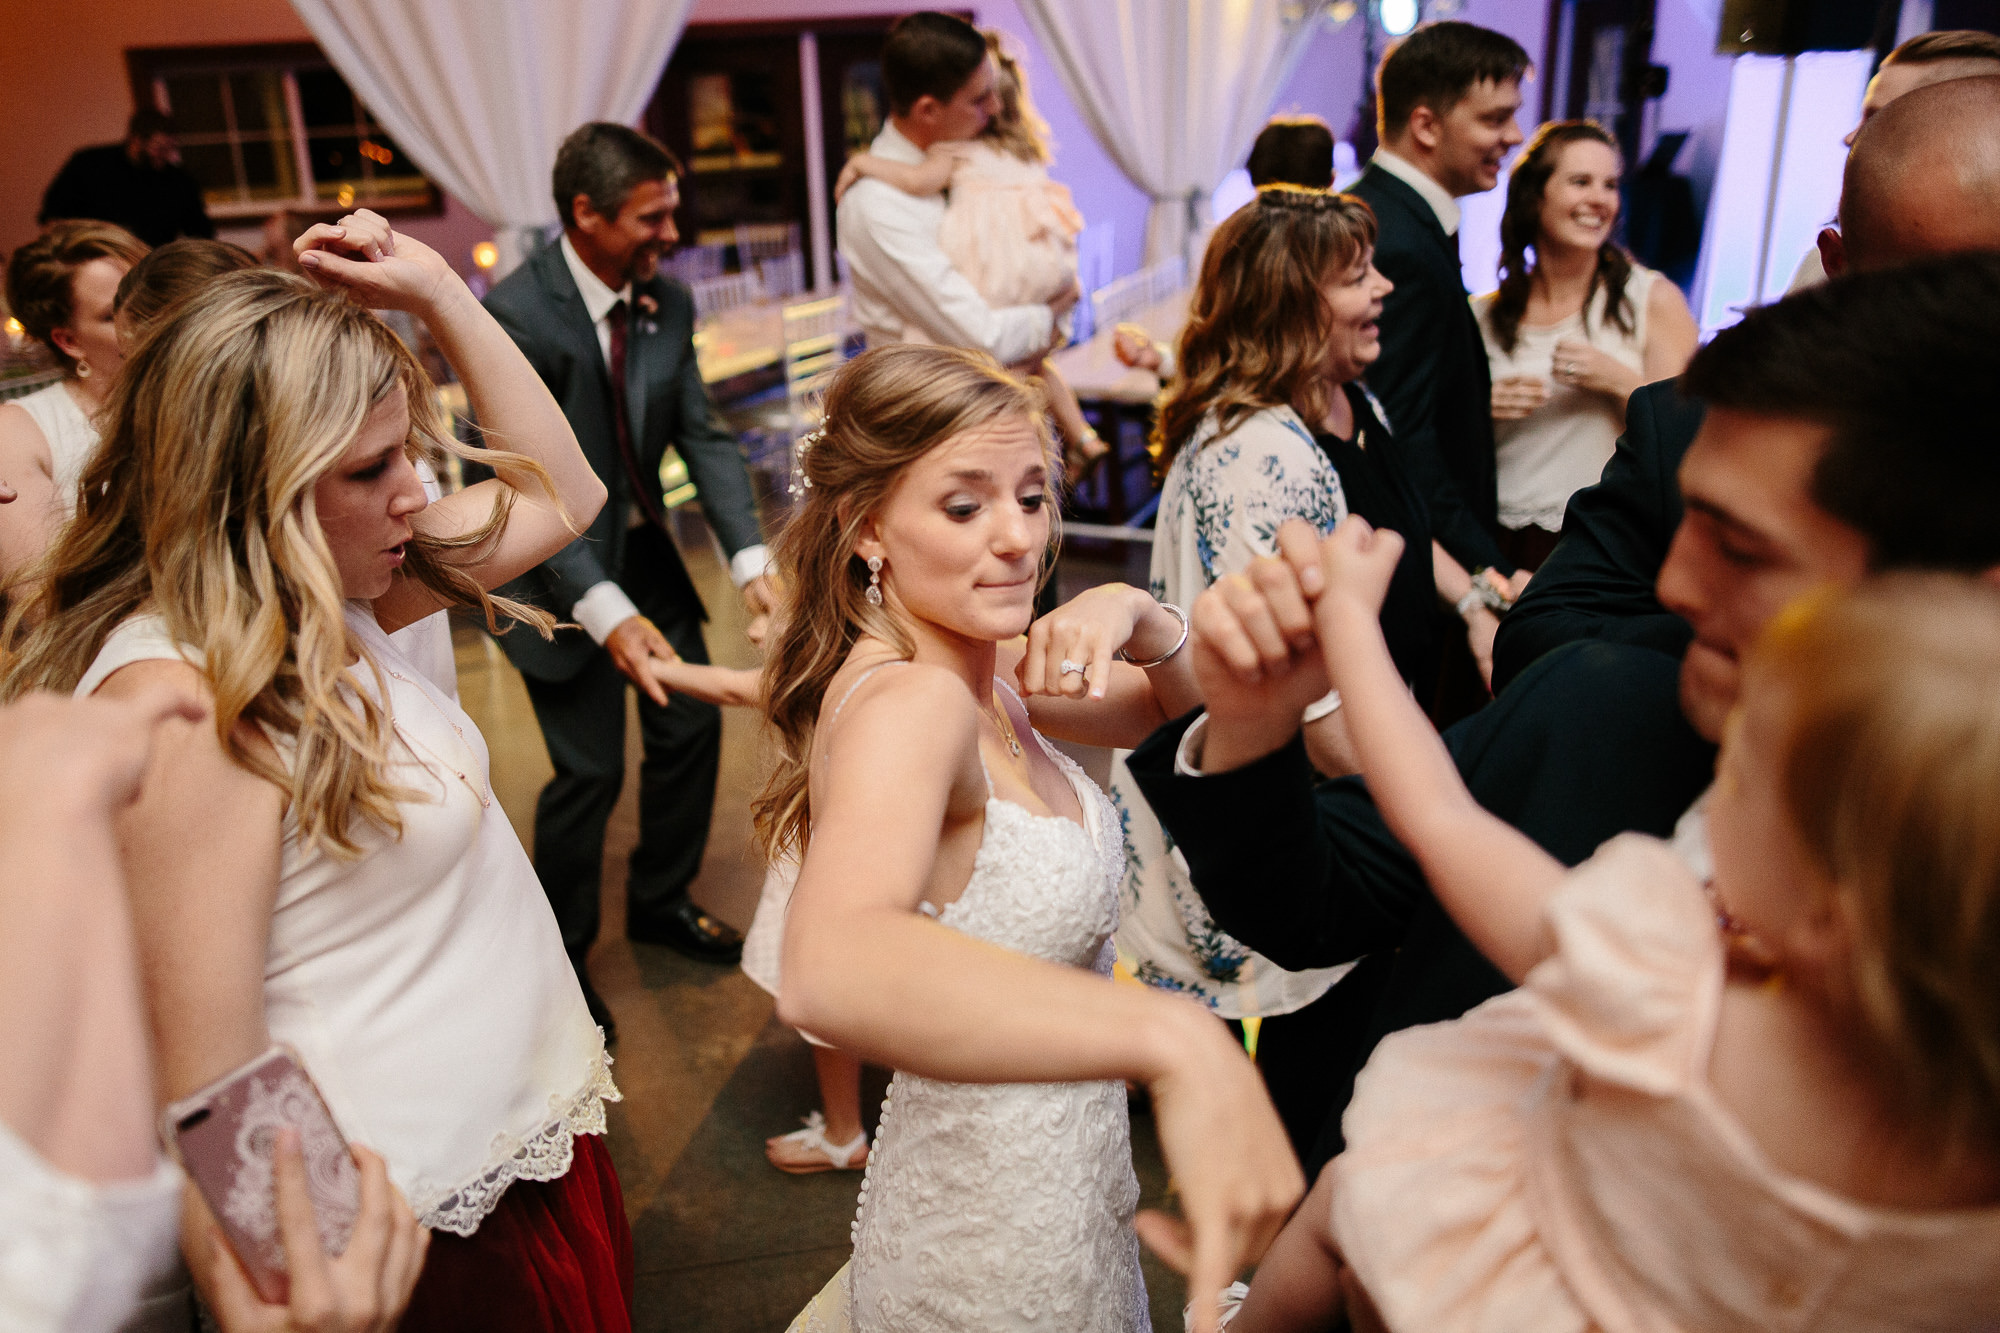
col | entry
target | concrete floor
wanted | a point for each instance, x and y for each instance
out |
(724, 1243)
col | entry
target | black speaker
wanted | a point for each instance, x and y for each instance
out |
(1788, 27)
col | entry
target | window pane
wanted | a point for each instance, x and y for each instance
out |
(324, 97)
(214, 166)
(267, 169)
(197, 102)
(734, 120)
(335, 158)
(259, 96)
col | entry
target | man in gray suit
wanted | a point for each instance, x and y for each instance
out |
(614, 342)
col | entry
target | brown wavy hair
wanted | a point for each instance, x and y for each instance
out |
(199, 506)
(882, 411)
(1891, 757)
(167, 275)
(41, 275)
(1521, 227)
(1258, 325)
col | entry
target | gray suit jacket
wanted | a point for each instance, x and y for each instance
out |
(666, 403)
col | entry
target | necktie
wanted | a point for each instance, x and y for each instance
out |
(645, 492)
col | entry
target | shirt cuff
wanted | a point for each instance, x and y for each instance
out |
(1321, 707)
(749, 564)
(602, 609)
(1187, 755)
(1169, 363)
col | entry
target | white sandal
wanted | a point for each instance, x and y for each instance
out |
(838, 1157)
(1227, 1304)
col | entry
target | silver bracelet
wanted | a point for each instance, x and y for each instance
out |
(1179, 615)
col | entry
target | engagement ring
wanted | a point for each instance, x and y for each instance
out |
(1069, 666)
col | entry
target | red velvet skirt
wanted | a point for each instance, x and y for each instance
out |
(554, 1257)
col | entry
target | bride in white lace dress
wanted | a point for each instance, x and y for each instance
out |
(935, 825)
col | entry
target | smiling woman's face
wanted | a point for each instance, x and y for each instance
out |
(962, 532)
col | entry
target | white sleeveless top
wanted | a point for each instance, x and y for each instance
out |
(1562, 446)
(71, 436)
(425, 985)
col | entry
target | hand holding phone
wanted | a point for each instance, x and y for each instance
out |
(286, 1226)
(365, 1290)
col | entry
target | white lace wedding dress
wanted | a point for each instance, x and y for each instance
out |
(1006, 1206)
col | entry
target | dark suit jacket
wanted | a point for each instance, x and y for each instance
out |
(1598, 583)
(667, 404)
(1590, 743)
(1432, 375)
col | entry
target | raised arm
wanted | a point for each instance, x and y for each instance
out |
(866, 970)
(1109, 702)
(384, 270)
(76, 1082)
(922, 179)
(1492, 879)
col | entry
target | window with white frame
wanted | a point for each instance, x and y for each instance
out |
(275, 127)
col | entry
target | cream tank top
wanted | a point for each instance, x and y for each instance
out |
(71, 436)
(1563, 446)
(425, 984)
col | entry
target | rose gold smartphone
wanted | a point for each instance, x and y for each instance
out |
(226, 1137)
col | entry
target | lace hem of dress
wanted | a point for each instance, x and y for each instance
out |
(542, 1155)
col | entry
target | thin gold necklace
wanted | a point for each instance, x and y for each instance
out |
(485, 796)
(1006, 726)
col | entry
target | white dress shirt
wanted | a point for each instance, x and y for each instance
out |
(1433, 194)
(905, 289)
(604, 606)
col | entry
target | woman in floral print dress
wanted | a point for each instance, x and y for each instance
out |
(1270, 422)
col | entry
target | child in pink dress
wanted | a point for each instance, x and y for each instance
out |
(1007, 227)
(1771, 1101)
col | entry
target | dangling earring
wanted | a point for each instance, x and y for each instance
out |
(82, 369)
(874, 592)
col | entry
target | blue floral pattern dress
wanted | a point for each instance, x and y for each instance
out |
(1221, 506)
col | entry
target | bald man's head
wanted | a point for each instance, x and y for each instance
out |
(1923, 179)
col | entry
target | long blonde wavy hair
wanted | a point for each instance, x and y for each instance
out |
(883, 411)
(199, 506)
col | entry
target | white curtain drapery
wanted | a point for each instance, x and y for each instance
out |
(1175, 90)
(481, 92)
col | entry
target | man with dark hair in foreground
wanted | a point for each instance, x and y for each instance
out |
(614, 342)
(138, 184)
(1851, 428)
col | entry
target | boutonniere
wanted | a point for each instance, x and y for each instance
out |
(648, 307)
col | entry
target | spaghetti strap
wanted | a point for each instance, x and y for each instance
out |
(859, 681)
